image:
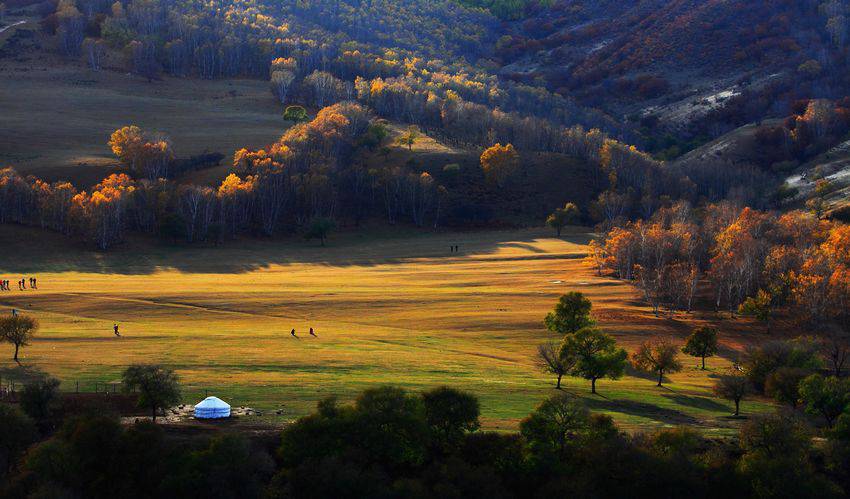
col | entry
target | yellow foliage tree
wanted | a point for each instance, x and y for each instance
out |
(500, 163)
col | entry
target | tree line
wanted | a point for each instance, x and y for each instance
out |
(754, 262)
(390, 442)
(305, 176)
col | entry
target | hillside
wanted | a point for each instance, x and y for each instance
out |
(197, 116)
(678, 61)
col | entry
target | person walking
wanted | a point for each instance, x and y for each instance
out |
(115, 330)
(312, 333)
(292, 333)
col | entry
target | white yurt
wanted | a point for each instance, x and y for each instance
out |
(212, 408)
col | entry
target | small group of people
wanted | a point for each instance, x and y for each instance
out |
(454, 248)
(22, 284)
(312, 333)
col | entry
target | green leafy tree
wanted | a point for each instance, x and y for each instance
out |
(450, 414)
(658, 357)
(320, 228)
(701, 343)
(783, 385)
(571, 314)
(824, 396)
(40, 401)
(568, 215)
(18, 432)
(776, 459)
(158, 387)
(18, 330)
(734, 387)
(215, 233)
(172, 227)
(596, 355)
(295, 114)
(375, 135)
(556, 424)
(390, 426)
(759, 307)
(767, 357)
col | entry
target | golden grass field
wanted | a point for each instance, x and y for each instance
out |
(393, 308)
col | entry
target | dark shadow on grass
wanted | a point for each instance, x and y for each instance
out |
(21, 373)
(637, 373)
(29, 251)
(702, 403)
(642, 409)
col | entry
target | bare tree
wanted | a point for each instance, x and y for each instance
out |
(834, 345)
(18, 330)
(550, 360)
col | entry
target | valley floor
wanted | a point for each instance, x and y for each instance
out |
(388, 308)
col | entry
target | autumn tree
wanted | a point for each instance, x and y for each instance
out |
(282, 74)
(500, 163)
(409, 137)
(596, 355)
(71, 29)
(326, 88)
(18, 330)
(701, 343)
(144, 154)
(568, 215)
(94, 51)
(101, 215)
(657, 357)
(596, 256)
(572, 313)
(734, 387)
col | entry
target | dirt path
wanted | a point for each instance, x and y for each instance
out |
(11, 26)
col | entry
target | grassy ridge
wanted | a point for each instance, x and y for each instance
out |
(59, 121)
